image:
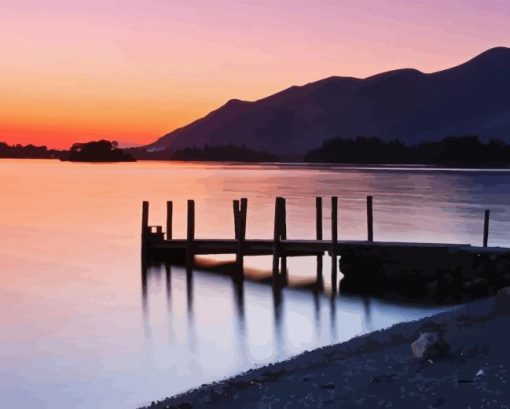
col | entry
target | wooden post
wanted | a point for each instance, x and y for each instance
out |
(276, 236)
(318, 232)
(145, 227)
(243, 210)
(191, 220)
(283, 235)
(318, 217)
(145, 218)
(241, 231)
(236, 209)
(169, 215)
(334, 240)
(283, 218)
(277, 215)
(190, 233)
(370, 219)
(334, 219)
(486, 228)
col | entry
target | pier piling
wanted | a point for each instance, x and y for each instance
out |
(283, 236)
(334, 241)
(486, 228)
(318, 217)
(169, 216)
(242, 210)
(190, 233)
(277, 236)
(243, 214)
(318, 233)
(236, 208)
(145, 229)
(145, 218)
(370, 219)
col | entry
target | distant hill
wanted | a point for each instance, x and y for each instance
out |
(472, 98)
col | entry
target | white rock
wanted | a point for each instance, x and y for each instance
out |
(430, 345)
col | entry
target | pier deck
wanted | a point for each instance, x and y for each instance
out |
(289, 248)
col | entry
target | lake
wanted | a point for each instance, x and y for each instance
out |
(78, 329)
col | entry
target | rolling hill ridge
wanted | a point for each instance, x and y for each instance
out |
(472, 98)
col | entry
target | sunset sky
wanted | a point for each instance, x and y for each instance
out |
(132, 70)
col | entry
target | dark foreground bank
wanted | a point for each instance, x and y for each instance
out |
(379, 369)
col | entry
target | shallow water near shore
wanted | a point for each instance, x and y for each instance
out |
(79, 329)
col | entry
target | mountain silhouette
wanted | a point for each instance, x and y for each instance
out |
(472, 98)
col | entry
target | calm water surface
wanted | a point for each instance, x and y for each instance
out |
(75, 329)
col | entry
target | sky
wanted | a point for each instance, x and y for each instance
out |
(131, 71)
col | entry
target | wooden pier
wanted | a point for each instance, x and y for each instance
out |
(367, 265)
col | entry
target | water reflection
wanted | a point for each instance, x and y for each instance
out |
(145, 304)
(168, 271)
(277, 311)
(238, 285)
(103, 303)
(189, 290)
(275, 289)
(367, 308)
(333, 323)
(168, 287)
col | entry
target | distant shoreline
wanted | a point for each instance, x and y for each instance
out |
(450, 152)
(459, 151)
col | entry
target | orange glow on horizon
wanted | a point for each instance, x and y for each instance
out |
(132, 71)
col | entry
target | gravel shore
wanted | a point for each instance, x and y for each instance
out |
(378, 370)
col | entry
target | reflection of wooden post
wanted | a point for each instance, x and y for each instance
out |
(334, 240)
(318, 231)
(190, 232)
(486, 228)
(370, 219)
(169, 215)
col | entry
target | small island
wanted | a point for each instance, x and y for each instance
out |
(98, 151)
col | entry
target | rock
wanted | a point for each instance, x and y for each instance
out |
(503, 299)
(329, 385)
(432, 288)
(430, 345)
(480, 287)
(383, 378)
(439, 402)
(467, 284)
